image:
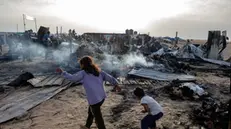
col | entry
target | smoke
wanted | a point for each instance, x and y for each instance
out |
(121, 64)
(62, 54)
(34, 49)
(136, 58)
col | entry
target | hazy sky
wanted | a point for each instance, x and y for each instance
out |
(191, 18)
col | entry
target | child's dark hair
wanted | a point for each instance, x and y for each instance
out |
(139, 92)
(89, 66)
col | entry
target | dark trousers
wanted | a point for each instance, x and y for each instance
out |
(94, 111)
(149, 121)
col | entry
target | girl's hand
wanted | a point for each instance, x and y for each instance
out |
(118, 88)
(59, 70)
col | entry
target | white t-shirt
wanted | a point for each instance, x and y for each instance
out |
(153, 106)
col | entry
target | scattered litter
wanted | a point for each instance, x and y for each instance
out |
(194, 87)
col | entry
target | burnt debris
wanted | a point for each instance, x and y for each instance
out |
(21, 80)
(212, 114)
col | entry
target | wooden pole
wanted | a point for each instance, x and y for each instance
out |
(229, 114)
(24, 23)
(57, 32)
(17, 28)
(61, 29)
(35, 21)
(176, 37)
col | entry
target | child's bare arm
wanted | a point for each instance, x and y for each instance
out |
(146, 109)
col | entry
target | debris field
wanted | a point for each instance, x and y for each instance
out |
(191, 85)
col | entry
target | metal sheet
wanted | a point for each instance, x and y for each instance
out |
(42, 81)
(157, 75)
(19, 102)
(218, 62)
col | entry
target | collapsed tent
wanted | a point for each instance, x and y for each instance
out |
(190, 51)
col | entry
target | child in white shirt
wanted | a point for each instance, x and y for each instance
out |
(153, 108)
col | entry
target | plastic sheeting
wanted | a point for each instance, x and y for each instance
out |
(196, 89)
(190, 51)
(157, 75)
(162, 52)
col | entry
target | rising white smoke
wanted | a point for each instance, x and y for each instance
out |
(118, 63)
(132, 59)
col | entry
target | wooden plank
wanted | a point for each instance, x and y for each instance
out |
(125, 82)
(133, 82)
(148, 82)
(59, 81)
(45, 81)
(55, 81)
(36, 80)
(129, 82)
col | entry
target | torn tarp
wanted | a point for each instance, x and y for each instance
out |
(157, 75)
(163, 51)
(190, 51)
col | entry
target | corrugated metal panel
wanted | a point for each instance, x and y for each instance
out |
(157, 75)
(18, 103)
(42, 81)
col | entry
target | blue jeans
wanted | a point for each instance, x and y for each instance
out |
(149, 121)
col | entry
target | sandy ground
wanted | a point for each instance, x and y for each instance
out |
(68, 109)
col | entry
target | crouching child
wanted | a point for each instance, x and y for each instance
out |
(151, 106)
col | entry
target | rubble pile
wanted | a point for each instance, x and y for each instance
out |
(88, 49)
(171, 62)
(150, 47)
(133, 58)
(190, 51)
(212, 114)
